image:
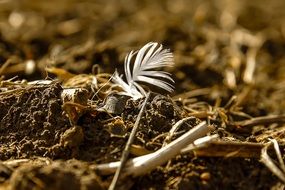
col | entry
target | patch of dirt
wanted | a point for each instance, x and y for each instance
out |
(58, 175)
(209, 173)
(32, 123)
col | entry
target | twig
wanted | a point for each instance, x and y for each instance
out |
(260, 121)
(227, 149)
(15, 162)
(278, 153)
(230, 78)
(5, 65)
(126, 151)
(105, 84)
(250, 65)
(269, 163)
(199, 114)
(272, 133)
(243, 96)
(143, 164)
(175, 128)
(200, 143)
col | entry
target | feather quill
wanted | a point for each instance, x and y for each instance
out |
(150, 57)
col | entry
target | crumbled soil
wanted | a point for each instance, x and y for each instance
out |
(49, 140)
(32, 123)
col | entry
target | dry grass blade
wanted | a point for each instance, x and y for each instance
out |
(174, 129)
(260, 121)
(230, 78)
(269, 163)
(278, 153)
(250, 65)
(128, 146)
(4, 66)
(13, 163)
(227, 149)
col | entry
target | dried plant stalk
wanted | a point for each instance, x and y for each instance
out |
(126, 151)
(261, 120)
(143, 164)
(228, 149)
(269, 163)
(175, 128)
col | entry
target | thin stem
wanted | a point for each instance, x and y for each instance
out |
(260, 121)
(126, 151)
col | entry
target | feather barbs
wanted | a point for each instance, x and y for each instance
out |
(150, 57)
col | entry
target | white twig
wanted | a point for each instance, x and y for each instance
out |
(143, 164)
(230, 78)
(278, 153)
(175, 128)
(250, 65)
(269, 163)
(200, 143)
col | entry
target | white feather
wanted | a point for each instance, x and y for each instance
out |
(149, 57)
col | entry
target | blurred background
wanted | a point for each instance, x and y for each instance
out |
(223, 44)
